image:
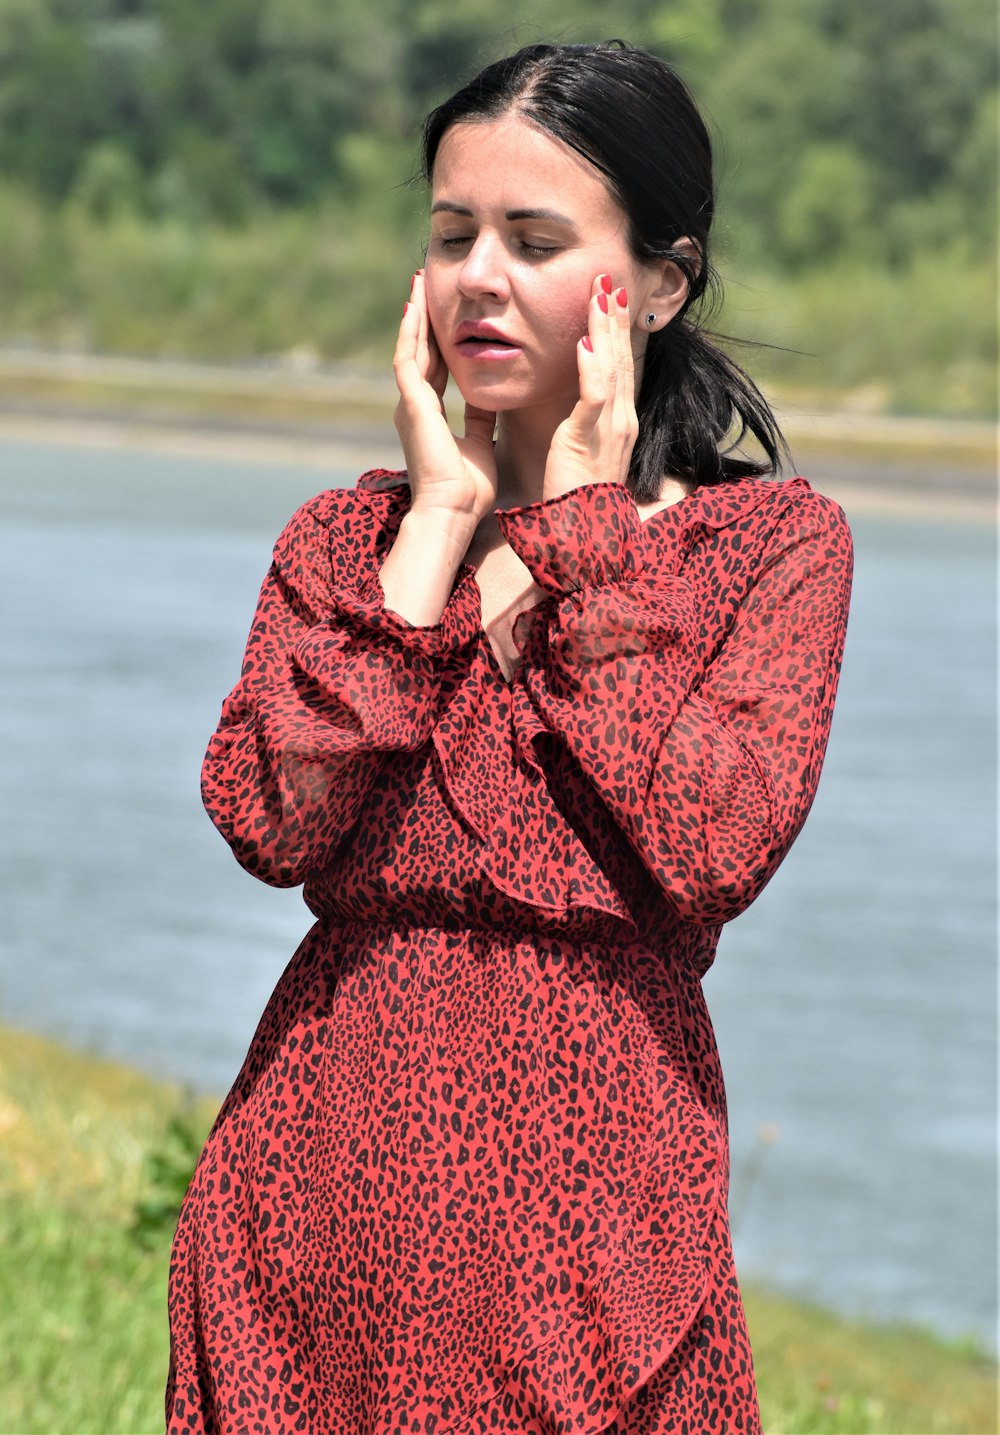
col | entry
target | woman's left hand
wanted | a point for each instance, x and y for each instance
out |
(594, 445)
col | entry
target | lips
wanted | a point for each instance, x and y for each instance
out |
(479, 340)
(480, 330)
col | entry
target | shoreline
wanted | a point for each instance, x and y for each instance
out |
(899, 480)
(302, 413)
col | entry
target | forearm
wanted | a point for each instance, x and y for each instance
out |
(332, 682)
(707, 764)
(419, 571)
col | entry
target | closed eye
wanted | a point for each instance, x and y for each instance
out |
(452, 243)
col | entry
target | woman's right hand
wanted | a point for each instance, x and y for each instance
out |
(455, 477)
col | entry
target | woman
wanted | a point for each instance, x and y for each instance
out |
(530, 721)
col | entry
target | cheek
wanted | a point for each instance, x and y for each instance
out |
(564, 310)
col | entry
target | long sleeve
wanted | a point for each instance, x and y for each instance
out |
(705, 753)
(332, 685)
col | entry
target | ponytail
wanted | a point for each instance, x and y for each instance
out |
(691, 398)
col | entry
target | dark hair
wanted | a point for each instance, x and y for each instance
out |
(633, 119)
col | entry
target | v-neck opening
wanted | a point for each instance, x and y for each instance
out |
(466, 569)
(494, 662)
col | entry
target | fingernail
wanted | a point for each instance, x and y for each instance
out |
(606, 283)
(405, 307)
(602, 303)
(623, 298)
(587, 344)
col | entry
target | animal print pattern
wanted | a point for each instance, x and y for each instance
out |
(472, 1176)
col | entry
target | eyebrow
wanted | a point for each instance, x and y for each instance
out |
(553, 216)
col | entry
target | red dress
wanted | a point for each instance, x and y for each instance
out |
(472, 1176)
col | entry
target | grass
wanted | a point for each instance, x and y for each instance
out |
(87, 1146)
(82, 1331)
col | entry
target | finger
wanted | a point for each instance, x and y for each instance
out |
(599, 331)
(624, 419)
(419, 300)
(603, 284)
(593, 388)
(404, 359)
(621, 329)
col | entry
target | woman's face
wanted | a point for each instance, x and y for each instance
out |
(520, 227)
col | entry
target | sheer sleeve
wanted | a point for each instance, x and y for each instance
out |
(707, 761)
(332, 684)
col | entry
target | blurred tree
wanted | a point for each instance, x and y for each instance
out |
(827, 209)
(52, 106)
(828, 109)
(917, 72)
(690, 34)
(109, 183)
(972, 200)
(772, 95)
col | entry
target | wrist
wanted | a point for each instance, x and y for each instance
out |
(418, 573)
(441, 531)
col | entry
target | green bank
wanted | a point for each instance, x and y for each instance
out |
(93, 1156)
(230, 180)
(329, 284)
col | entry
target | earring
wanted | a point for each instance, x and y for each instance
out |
(650, 320)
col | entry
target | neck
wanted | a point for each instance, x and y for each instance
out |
(523, 440)
(524, 437)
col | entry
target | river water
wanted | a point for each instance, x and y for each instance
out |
(854, 1003)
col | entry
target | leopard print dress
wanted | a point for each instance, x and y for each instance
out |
(472, 1176)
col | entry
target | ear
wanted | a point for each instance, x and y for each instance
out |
(668, 289)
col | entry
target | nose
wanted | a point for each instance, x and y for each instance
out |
(484, 270)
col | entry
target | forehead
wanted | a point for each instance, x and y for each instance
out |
(510, 164)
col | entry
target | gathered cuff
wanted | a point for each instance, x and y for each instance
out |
(588, 537)
(365, 611)
(380, 668)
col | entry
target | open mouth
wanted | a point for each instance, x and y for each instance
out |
(483, 345)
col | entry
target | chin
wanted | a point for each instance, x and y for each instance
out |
(498, 394)
(506, 394)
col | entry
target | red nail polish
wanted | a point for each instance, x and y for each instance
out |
(405, 307)
(606, 283)
(623, 298)
(602, 303)
(587, 344)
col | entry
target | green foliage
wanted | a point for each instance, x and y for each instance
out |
(828, 207)
(227, 106)
(167, 1172)
(213, 179)
(109, 183)
(919, 339)
(82, 1324)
